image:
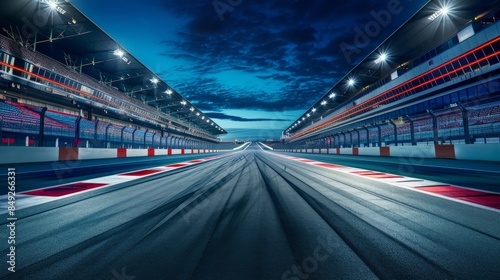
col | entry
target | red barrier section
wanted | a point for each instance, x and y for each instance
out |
(182, 151)
(66, 153)
(338, 151)
(445, 151)
(355, 151)
(121, 152)
(385, 151)
(169, 152)
(151, 152)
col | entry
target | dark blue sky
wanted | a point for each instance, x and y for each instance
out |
(254, 66)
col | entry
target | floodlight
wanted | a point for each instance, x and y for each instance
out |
(332, 95)
(382, 57)
(323, 102)
(351, 82)
(52, 5)
(119, 53)
(443, 11)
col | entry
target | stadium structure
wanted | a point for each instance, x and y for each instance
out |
(66, 83)
(434, 81)
(106, 177)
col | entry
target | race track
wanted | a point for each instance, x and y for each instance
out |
(256, 215)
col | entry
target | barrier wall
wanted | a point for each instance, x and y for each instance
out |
(97, 153)
(486, 152)
(489, 152)
(11, 155)
(370, 151)
(35, 154)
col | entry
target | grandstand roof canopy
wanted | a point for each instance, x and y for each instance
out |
(62, 32)
(420, 34)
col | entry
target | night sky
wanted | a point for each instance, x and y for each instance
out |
(254, 66)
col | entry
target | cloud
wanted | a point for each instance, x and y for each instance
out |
(292, 45)
(222, 116)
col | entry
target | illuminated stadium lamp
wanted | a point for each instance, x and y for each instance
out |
(381, 58)
(168, 91)
(154, 80)
(119, 53)
(183, 102)
(350, 82)
(443, 11)
(203, 117)
(213, 124)
(191, 109)
(208, 121)
(303, 118)
(323, 102)
(313, 110)
(52, 5)
(308, 115)
(198, 114)
(332, 95)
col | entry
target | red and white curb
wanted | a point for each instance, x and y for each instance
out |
(482, 199)
(43, 195)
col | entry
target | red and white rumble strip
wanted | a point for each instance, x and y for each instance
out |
(39, 196)
(483, 199)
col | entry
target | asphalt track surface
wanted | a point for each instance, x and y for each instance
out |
(254, 215)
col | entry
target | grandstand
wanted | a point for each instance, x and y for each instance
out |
(444, 91)
(68, 91)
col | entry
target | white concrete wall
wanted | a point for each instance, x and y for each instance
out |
(137, 153)
(423, 151)
(161, 152)
(346, 151)
(369, 151)
(489, 152)
(84, 153)
(28, 154)
(176, 151)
